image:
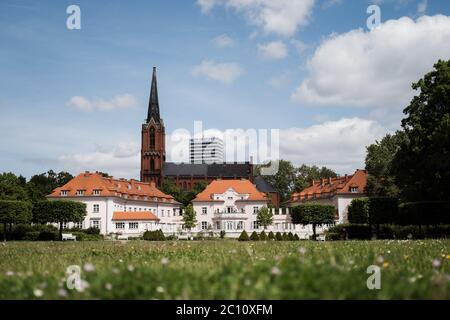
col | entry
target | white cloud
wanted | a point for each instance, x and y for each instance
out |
(282, 17)
(222, 41)
(331, 3)
(122, 160)
(375, 68)
(222, 72)
(340, 145)
(274, 50)
(299, 45)
(125, 101)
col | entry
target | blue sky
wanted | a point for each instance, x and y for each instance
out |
(75, 99)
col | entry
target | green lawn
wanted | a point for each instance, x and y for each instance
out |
(226, 270)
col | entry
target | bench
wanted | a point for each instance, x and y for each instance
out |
(68, 236)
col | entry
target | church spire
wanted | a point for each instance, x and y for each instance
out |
(153, 104)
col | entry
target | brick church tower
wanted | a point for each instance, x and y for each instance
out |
(153, 140)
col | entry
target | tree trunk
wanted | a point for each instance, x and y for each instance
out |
(4, 232)
(314, 231)
(60, 231)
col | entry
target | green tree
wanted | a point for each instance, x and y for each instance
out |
(358, 211)
(60, 211)
(381, 181)
(12, 187)
(421, 166)
(169, 186)
(314, 214)
(283, 180)
(189, 217)
(14, 212)
(43, 184)
(306, 174)
(264, 217)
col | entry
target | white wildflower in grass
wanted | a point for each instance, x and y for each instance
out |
(38, 293)
(108, 286)
(89, 267)
(115, 270)
(9, 273)
(83, 286)
(412, 279)
(120, 260)
(275, 271)
(380, 259)
(130, 268)
(164, 261)
(436, 263)
(62, 293)
(160, 289)
(302, 251)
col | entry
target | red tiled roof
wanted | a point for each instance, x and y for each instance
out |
(134, 215)
(325, 188)
(242, 186)
(108, 186)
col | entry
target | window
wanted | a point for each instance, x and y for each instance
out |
(204, 225)
(78, 225)
(152, 138)
(64, 193)
(133, 225)
(204, 210)
(354, 189)
(240, 225)
(218, 225)
(229, 209)
(152, 165)
(80, 192)
(96, 192)
(64, 225)
(230, 225)
(242, 210)
(168, 213)
(255, 225)
(95, 224)
(96, 208)
(255, 210)
(162, 213)
(120, 225)
(230, 198)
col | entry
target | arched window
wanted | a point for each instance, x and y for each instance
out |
(152, 165)
(152, 137)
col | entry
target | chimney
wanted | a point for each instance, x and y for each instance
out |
(329, 180)
(313, 182)
(323, 182)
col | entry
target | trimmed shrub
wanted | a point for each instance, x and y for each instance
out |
(314, 214)
(333, 236)
(254, 236)
(263, 236)
(48, 236)
(91, 230)
(285, 237)
(382, 210)
(156, 235)
(290, 236)
(297, 238)
(278, 236)
(350, 232)
(358, 211)
(222, 234)
(243, 236)
(271, 236)
(31, 236)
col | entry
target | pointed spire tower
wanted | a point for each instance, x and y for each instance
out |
(153, 139)
(153, 103)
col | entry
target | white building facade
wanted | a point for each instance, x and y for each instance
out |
(119, 207)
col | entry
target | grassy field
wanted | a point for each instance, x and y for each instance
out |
(226, 270)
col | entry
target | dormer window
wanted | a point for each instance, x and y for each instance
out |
(96, 192)
(138, 187)
(64, 193)
(80, 192)
(354, 189)
(129, 187)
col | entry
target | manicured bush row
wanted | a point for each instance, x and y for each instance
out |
(271, 236)
(157, 235)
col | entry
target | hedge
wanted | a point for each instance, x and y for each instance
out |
(382, 210)
(424, 213)
(243, 236)
(263, 236)
(254, 236)
(358, 211)
(156, 235)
